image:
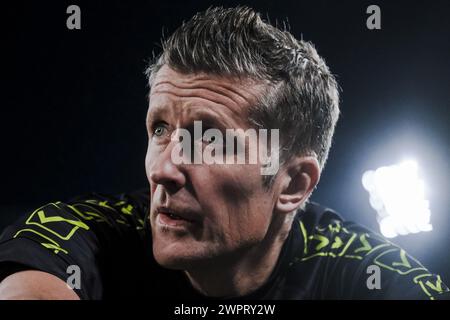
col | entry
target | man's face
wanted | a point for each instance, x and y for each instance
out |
(201, 211)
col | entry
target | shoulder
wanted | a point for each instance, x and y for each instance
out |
(62, 227)
(63, 218)
(101, 234)
(128, 208)
(327, 234)
(128, 203)
(346, 254)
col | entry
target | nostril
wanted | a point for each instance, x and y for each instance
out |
(158, 177)
(170, 185)
(168, 175)
(163, 171)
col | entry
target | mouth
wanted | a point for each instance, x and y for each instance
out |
(174, 218)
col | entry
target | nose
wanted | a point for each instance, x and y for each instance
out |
(164, 172)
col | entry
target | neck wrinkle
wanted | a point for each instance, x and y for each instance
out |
(246, 273)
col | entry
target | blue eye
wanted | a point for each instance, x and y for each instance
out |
(159, 130)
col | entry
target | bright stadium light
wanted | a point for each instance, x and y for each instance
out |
(397, 194)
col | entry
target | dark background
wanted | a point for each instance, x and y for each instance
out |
(74, 101)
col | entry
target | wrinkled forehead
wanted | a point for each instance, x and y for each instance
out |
(228, 97)
(233, 92)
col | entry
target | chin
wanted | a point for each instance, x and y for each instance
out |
(176, 259)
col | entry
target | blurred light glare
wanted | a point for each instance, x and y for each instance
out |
(398, 195)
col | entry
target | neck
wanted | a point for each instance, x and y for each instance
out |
(245, 272)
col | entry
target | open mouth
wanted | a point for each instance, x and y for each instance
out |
(176, 217)
(170, 218)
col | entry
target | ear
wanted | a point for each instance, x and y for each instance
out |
(297, 182)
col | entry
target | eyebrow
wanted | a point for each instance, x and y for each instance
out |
(154, 113)
(200, 113)
(211, 120)
(157, 110)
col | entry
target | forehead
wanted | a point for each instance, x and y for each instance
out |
(231, 95)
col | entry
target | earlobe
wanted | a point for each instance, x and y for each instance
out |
(298, 182)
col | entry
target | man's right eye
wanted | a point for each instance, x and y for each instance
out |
(159, 130)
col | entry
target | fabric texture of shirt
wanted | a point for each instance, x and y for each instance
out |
(109, 239)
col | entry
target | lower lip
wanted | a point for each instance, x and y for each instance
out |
(166, 220)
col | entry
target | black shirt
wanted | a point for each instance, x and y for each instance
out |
(108, 238)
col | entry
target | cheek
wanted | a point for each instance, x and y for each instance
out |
(248, 222)
(241, 184)
(235, 194)
(147, 161)
(150, 158)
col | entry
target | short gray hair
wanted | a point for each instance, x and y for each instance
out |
(303, 97)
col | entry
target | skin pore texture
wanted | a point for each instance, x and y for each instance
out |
(236, 227)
